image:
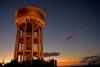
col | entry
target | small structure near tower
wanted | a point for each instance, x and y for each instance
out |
(30, 22)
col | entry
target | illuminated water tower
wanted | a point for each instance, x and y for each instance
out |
(30, 22)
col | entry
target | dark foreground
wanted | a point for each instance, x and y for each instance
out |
(90, 65)
(35, 63)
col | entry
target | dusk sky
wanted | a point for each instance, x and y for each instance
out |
(65, 18)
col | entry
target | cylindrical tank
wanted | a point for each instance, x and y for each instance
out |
(30, 13)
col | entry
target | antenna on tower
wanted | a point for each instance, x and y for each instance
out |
(3, 60)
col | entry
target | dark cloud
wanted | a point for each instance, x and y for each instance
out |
(70, 37)
(51, 54)
(73, 35)
(91, 59)
(98, 54)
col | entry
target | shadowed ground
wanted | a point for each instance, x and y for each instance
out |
(34, 63)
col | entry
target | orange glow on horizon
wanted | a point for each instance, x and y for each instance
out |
(7, 59)
(60, 61)
(68, 63)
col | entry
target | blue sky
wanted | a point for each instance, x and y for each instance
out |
(64, 17)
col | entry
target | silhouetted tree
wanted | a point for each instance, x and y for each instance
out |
(0, 65)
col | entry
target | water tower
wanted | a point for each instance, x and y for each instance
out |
(30, 22)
